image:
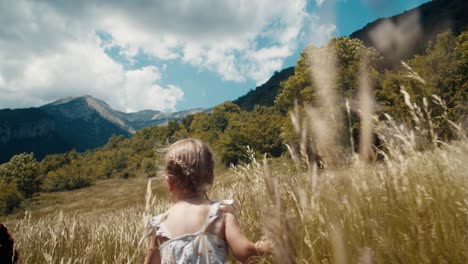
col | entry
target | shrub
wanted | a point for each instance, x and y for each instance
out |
(10, 198)
(23, 171)
(65, 179)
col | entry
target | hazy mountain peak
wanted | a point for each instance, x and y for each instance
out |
(60, 101)
(85, 98)
(83, 107)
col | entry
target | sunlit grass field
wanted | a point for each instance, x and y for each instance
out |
(409, 209)
(405, 201)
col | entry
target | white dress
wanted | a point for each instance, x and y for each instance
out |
(196, 248)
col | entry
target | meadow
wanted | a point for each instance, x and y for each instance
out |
(410, 208)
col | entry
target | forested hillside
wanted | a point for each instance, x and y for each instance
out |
(29, 130)
(265, 94)
(401, 36)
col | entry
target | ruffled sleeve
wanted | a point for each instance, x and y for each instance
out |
(154, 222)
(213, 214)
(228, 204)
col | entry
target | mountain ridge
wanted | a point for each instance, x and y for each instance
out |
(66, 107)
(264, 94)
(80, 123)
(434, 17)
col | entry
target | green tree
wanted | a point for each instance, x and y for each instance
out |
(187, 122)
(120, 161)
(68, 177)
(23, 171)
(172, 128)
(259, 129)
(442, 70)
(219, 118)
(148, 167)
(114, 141)
(209, 127)
(324, 78)
(199, 127)
(346, 54)
(10, 198)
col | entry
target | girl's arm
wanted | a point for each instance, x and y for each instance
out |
(153, 256)
(242, 248)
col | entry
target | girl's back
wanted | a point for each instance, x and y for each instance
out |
(185, 217)
(192, 232)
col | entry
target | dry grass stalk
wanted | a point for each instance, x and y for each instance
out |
(366, 112)
(324, 117)
(350, 126)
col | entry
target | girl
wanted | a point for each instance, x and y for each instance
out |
(195, 229)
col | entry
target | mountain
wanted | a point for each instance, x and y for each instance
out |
(73, 122)
(86, 122)
(266, 93)
(405, 39)
(72, 108)
(146, 118)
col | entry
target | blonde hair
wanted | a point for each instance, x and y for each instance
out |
(189, 165)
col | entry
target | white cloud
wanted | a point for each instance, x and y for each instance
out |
(50, 49)
(217, 35)
(270, 59)
(83, 68)
(318, 33)
(46, 56)
(142, 92)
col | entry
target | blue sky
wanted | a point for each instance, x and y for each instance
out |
(163, 55)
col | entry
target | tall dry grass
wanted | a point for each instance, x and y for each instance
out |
(413, 209)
